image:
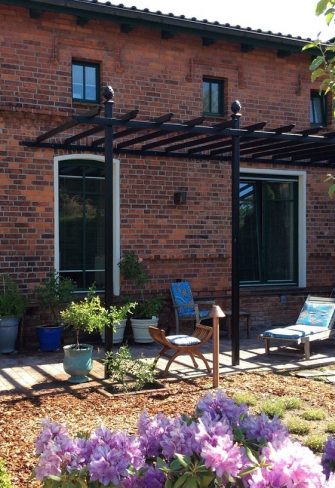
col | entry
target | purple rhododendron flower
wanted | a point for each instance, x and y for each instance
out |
(328, 458)
(111, 454)
(290, 465)
(219, 405)
(49, 432)
(152, 478)
(59, 454)
(259, 428)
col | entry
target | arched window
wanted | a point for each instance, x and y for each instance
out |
(80, 248)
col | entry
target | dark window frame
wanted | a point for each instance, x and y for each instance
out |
(315, 95)
(87, 64)
(220, 84)
(261, 231)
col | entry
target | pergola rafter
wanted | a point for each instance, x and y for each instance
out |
(225, 141)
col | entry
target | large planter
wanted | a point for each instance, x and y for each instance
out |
(78, 362)
(49, 337)
(141, 329)
(9, 327)
(118, 332)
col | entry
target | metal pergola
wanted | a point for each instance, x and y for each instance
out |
(224, 141)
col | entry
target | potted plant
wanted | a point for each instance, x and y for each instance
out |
(12, 307)
(118, 316)
(87, 315)
(53, 295)
(146, 313)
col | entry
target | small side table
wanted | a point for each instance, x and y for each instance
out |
(245, 315)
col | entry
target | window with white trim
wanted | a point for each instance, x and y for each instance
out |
(269, 229)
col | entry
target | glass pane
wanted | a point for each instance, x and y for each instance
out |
(71, 212)
(206, 96)
(317, 110)
(249, 233)
(97, 278)
(279, 231)
(215, 98)
(90, 83)
(77, 277)
(95, 232)
(77, 81)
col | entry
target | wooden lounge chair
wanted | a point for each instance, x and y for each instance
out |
(182, 344)
(314, 323)
(185, 307)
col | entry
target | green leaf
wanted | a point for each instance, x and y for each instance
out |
(317, 73)
(310, 45)
(168, 484)
(175, 465)
(251, 456)
(321, 6)
(316, 63)
(180, 481)
(331, 190)
(184, 460)
(329, 15)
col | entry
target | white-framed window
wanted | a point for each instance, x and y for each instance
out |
(272, 227)
(79, 202)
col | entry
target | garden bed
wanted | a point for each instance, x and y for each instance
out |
(84, 409)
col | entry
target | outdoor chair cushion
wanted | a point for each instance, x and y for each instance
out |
(293, 331)
(183, 340)
(316, 314)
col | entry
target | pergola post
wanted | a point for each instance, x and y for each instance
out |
(109, 237)
(235, 278)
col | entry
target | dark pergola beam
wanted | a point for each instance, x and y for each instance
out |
(247, 129)
(155, 134)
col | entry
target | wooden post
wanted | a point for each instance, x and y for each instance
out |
(215, 314)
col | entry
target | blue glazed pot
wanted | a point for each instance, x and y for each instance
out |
(49, 337)
(9, 327)
(78, 362)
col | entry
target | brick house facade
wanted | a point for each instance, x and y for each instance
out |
(158, 64)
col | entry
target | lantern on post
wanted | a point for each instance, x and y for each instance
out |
(216, 313)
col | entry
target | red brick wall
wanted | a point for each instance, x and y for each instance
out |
(190, 241)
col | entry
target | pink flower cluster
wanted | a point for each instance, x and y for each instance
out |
(222, 445)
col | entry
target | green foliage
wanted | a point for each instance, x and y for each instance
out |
(186, 472)
(5, 481)
(291, 403)
(298, 426)
(12, 302)
(246, 398)
(55, 293)
(330, 428)
(122, 366)
(274, 408)
(149, 308)
(133, 269)
(314, 414)
(117, 313)
(87, 315)
(315, 442)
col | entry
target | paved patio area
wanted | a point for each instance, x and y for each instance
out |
(35, 373)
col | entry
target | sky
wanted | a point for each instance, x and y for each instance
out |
(296, 17)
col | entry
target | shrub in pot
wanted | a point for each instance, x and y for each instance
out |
(118, 316)
(53, 295)
(87, 315)
(12, 307)
(132, 268)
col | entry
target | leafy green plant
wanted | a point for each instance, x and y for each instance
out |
(274, 408)
(298, 426)
(316, 442)
(12, 302)
(127, 371)
(117, 313)
(330, 427)
(246, 397)
(54, 293)
(87, 315)
(291, 403)
(314, 414)
(5, 481)
(132, 268)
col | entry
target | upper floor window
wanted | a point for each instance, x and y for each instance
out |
(85, 81)
(212, 97)
(318, 109)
